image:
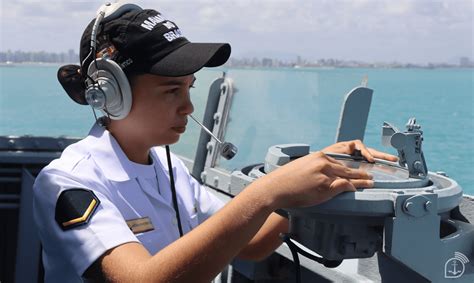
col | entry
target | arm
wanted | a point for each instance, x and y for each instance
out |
(201, 254)
(267, 238)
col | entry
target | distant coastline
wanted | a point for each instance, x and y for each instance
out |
(9, 58)
(252, 67)
(12, 64)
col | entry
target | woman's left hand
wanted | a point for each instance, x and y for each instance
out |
(350, 147)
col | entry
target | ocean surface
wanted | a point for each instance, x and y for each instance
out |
(277, 106)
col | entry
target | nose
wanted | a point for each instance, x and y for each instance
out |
(187, 106)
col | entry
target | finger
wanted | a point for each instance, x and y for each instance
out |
(352, 146)
(342, 185)
(358, 183)
(333, 160)
(346, 172)
(383, 155)
(364, 151)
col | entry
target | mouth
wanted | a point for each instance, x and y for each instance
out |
(180, 129)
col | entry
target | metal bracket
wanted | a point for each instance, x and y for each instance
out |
(408, 145)
(220, 121)
(412, 237)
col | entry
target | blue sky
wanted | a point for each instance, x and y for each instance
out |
(417, 31)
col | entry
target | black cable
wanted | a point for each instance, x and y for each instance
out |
(294, 252)
(173, 191)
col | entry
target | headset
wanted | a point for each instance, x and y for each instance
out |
(107, 86)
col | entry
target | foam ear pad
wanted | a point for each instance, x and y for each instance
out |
(115, 86)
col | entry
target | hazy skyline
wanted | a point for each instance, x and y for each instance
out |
(369, 30)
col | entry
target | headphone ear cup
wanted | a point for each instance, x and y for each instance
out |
(110, 92)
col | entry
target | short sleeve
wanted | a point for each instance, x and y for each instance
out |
(81, 245)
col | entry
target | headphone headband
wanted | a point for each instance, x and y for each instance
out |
(115, 10)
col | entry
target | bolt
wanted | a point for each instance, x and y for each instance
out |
(216, 181)
(209, 147)
(428, 205)
(203, 176)
(417, 165)
(217, 117)
(408, 206)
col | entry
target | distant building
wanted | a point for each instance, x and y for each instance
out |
(71, 56)
(40, 57)
(465, 62)
(267, 62)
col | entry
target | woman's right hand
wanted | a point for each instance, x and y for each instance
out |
(311, 180)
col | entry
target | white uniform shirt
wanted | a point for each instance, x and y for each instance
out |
(126, 191)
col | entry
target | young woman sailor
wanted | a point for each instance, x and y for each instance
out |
(106, 210)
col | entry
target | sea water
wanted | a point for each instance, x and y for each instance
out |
(277, 106)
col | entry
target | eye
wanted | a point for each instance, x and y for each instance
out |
(173, 90)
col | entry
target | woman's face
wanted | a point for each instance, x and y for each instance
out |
(160, 108)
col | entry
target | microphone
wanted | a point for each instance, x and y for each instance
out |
(227, 150)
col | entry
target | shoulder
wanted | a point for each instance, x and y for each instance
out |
(74, 169)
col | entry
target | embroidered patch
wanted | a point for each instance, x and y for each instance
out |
(140, 225)
(75, 207)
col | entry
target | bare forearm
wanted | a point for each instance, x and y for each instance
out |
(267, 238)
(201, 254)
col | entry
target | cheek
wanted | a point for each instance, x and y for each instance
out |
(145, 107)
(154, 117)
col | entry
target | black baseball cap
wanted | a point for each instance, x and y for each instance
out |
(144, 41)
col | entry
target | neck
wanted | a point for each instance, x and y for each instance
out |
(134, 148)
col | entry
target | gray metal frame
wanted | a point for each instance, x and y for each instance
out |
(21, 158)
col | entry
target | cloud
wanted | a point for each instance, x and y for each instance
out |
(333, 28)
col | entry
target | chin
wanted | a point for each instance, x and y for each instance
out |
(168, 140)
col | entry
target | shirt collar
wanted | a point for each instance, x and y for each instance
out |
(109, 156)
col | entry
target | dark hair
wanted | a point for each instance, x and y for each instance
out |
(73, 81)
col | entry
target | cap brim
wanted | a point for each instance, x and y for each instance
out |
(192, 57)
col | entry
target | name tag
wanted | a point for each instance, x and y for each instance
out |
(140, 225)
